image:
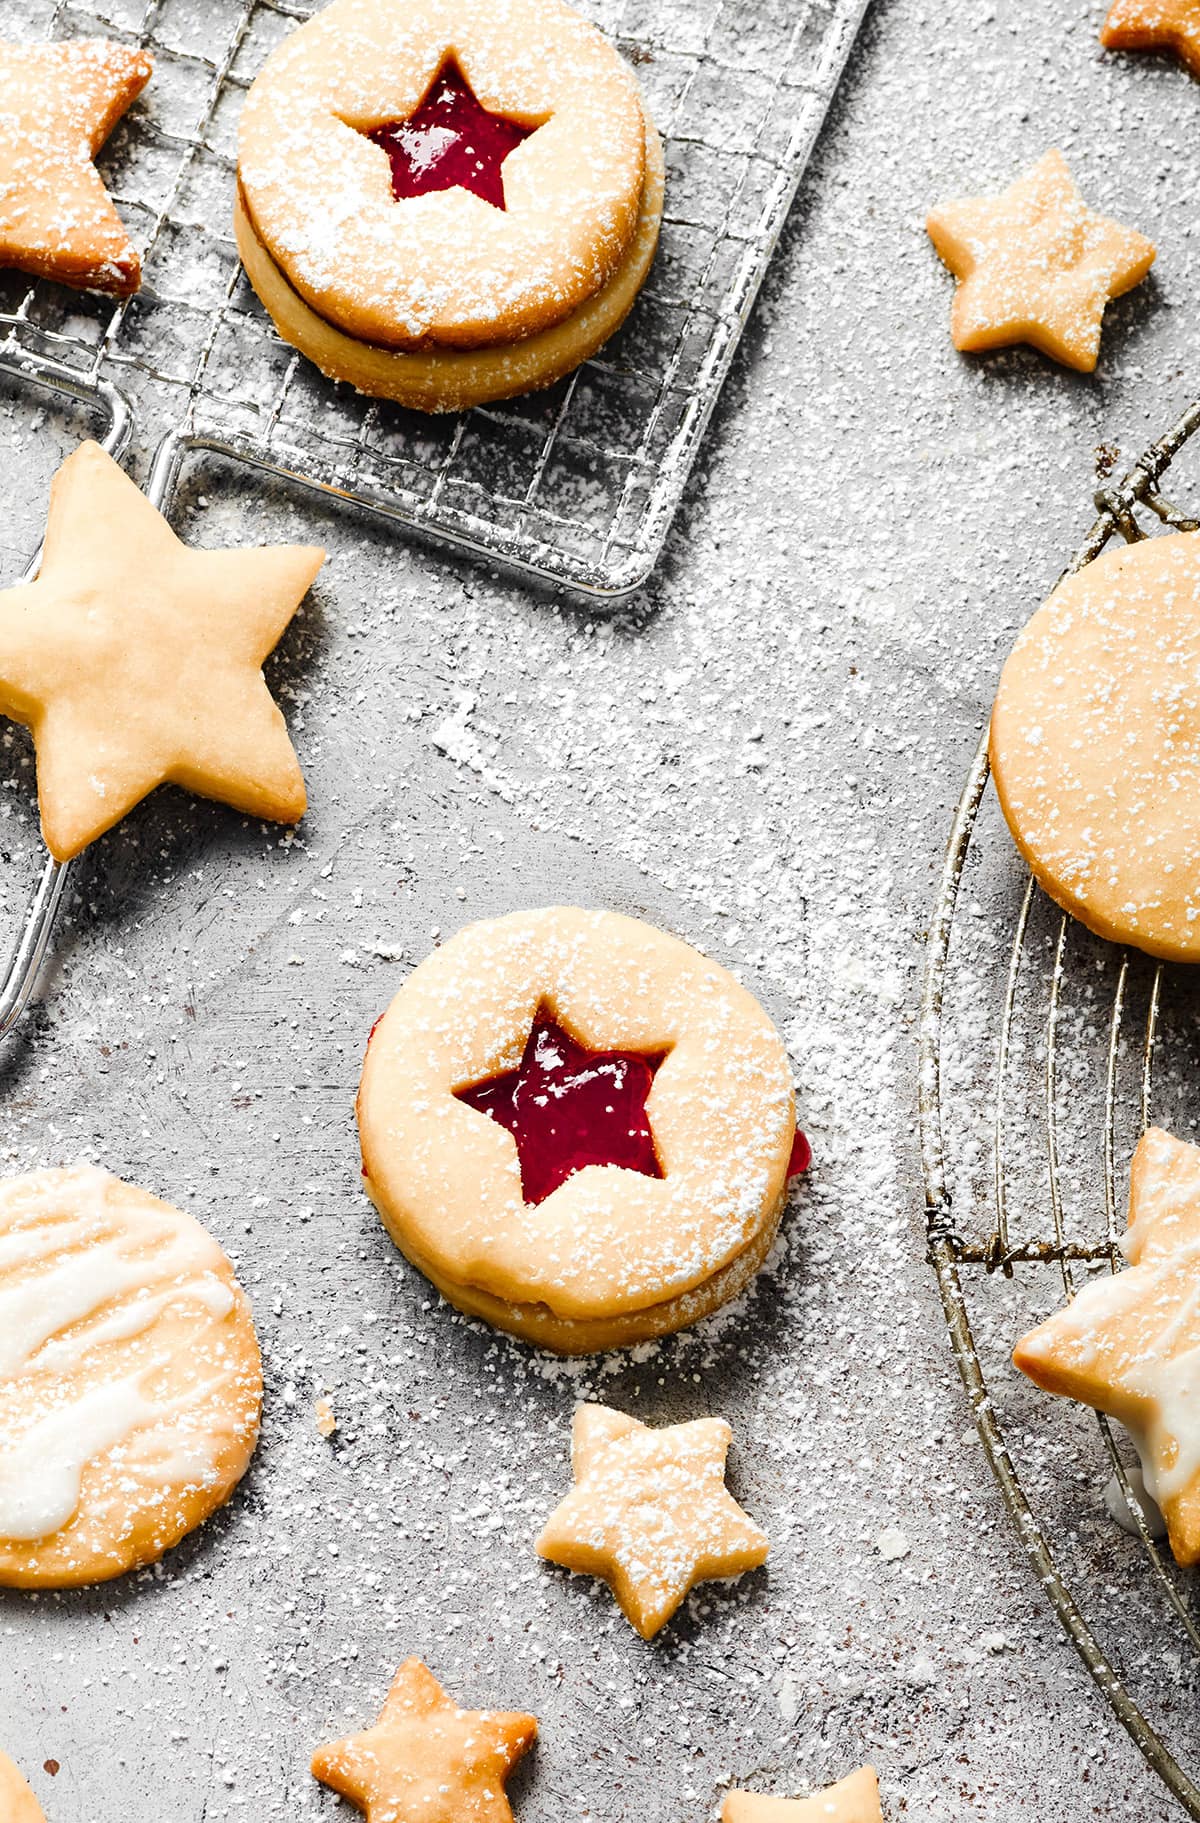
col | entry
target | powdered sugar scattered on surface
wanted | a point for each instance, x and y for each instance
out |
(872, 519)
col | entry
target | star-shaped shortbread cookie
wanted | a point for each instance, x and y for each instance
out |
(1035, 264)
(1129, 1344)
(58, 105)
(426, 1760)
(650, 1512)
(137, 662)
(852, 1800)
(1155, 25)
(17, 1802)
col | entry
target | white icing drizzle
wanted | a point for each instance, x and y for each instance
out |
(80, 1269)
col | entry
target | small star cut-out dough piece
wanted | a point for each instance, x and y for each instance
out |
(1155, 25)
(137, 662)
(1095, 745)
(1129, 1344)
(426, 1760)
(59, 103)
(852, 1800)
(1035, 264)
(17, 1802)
(650, 1512)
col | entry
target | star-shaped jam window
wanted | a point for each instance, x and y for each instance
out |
(1035, 264)
(567, 1107)
(426, 1760)
(451, 141)
(1129, 1343)
(137, 661)
(650, 1512)
(852, 1800)
(1155, 25)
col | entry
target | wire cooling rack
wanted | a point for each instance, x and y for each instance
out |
(1045, 1053)
(576, 485)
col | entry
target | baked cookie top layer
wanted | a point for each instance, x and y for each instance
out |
(1095, 745)
(137, 661)
(130, 1378)
(59, 103)
(447, 1178)
(447, 267)
(1129, 1344)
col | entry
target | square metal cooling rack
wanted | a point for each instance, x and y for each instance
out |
(576, 485)
(1045, 1054)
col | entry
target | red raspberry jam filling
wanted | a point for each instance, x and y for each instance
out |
(450, 141)
(801, 1157)
(568, 1107)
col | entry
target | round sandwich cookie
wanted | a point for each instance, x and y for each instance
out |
(578, 1128)
(130, 1377)
(447, 201)
(1095, 745)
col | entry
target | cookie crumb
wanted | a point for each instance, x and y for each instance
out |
(326, 1422)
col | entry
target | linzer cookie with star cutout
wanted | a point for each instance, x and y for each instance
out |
(578, 1128)
(1035, 264)
(447, 201)
(137, 662)
(58, 104)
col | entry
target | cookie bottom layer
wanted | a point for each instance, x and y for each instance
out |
(453, 379)
(538, 1324)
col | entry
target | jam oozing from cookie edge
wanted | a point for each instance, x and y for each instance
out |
(801, 1155)
(452, 141)
(568, 1107)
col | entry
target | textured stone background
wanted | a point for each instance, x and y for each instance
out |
(762, 754)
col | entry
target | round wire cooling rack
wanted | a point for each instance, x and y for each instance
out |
(1044, 1051)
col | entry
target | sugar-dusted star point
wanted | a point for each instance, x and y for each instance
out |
(1035, 264)
(426, 1760)
(1129, 1343)
(59, 103)
(137, 661)
(17, 1802)
(852, 1800)
(1155, 25)
(650, 1512)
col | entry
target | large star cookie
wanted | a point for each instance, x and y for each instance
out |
(1129, 1344)
(852, 1800)
(426, 1760)
(1095, 745)
(650, 1512)
(1155, 25)
(1035, 264)
(59, 103)
(17, 1802)
(137, 662)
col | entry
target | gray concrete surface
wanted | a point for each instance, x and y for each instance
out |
(763, 754)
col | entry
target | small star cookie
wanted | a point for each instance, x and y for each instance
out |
(1035, 264)
(59, 103)
(1155, 25)
(137, 662)
(650, 1512)
(1129, 1344)
(426, 1760)
(852, 1800)
(17, 1802)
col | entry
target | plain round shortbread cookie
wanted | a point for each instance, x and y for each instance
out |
(1095, 745)
(446, 269)
(611, 1255)
(130, 1377)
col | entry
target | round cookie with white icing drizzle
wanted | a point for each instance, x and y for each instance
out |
(130, 1377)
(1095, 745)
(578, 1127)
